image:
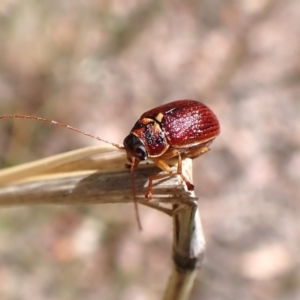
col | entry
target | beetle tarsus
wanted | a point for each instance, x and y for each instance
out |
(190, 186)
(148, 195)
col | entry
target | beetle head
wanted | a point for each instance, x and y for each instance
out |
(135, 149)
(136, 152)
(146, 139)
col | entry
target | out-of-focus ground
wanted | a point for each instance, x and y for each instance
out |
(98, 65)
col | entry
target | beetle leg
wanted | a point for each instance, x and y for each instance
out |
(164, 166)
(148, 195)
(189, 185)
(193, 153)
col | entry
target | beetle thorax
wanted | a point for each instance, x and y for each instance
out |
(146, 135)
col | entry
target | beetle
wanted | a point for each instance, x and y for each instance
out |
(183, 128)
(179, 129)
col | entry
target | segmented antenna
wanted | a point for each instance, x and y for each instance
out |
(121, 147)
(136, 209)
(61, 125)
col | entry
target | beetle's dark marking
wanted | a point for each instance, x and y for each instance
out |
(151, 135)
(160, 138)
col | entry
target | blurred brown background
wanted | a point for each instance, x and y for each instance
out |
(98, 65)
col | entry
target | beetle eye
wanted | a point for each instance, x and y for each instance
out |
(140, 152)
(134, 147)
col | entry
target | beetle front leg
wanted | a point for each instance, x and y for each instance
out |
(163, 166)
(148, 194)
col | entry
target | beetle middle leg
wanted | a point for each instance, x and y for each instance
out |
(189, 185)
(165, 167)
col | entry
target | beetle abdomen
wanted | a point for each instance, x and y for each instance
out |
(185, 122)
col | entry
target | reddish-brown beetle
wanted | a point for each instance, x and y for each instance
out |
(183, 128)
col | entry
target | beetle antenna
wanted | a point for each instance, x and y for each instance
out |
(136, 209)
(61, 125)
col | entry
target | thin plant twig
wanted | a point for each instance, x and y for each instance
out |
(97, 175)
